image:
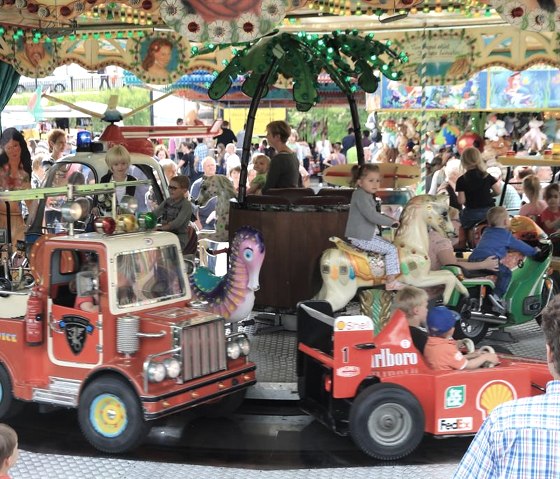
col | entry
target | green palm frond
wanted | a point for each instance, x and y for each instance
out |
(351, 60)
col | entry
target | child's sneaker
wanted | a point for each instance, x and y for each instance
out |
(497, 303)
(394, 285)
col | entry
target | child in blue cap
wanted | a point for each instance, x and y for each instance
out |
(441, 351)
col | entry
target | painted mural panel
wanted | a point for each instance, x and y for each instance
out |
(469, 95)
(537, 89)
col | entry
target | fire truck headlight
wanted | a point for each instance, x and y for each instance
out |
(233, 350)
(156, 372)
(173, 367)
(244, 345)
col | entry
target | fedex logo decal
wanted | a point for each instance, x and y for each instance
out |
(455, 424)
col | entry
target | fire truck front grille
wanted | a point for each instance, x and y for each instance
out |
(204, 349)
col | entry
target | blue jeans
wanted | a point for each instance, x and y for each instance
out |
(504, 276)
(471, 216)
(502, 283)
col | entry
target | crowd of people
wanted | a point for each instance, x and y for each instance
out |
(273, 164)
(281, 161)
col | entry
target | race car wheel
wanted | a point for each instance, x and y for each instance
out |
(472, 329)
(9, 406)
(386, 421)
(110, 415)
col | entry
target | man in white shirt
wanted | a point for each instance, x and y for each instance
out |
(231, 158)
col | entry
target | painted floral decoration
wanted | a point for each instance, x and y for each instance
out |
(536, 19)
(223, 21)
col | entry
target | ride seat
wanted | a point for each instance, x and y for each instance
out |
(318, 203)
(204, 211)
(267, 202)
(344, 192)
(473, 277)
(62, 295)
(292, 194)
(192, 241)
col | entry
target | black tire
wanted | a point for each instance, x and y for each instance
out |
(59, 88)
(5, 285)
(110, 403)
(473, 329)
(386, 421)
(20, 89)
(224, 407)
(544, 295)
(9, 406)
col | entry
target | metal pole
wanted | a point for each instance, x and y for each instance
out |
(356, 125)
(423, 119)
(251, 115)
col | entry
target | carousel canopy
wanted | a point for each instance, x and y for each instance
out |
(159, 41)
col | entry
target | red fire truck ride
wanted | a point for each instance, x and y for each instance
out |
(102, 322)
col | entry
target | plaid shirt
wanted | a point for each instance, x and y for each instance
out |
(520, 439)
(200, 153)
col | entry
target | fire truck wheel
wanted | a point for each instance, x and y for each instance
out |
(110, 415)
(9, 406)
(386, 421)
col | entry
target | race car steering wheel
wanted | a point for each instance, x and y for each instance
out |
(487, 349)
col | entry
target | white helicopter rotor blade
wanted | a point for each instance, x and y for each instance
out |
(146, 105)
(71, 105)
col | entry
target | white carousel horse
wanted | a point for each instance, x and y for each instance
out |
(221, 187)
(345, 269)
(233, 295)
(413, 243)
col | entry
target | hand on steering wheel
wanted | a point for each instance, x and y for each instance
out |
(488, 350)
(467, 344)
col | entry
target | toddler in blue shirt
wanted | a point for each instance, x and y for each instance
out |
(496, 240)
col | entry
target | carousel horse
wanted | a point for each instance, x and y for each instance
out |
(221, 187)
(233, 295)
(344, 269)
(412, 240)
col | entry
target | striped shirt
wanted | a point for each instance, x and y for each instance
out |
(519, 440)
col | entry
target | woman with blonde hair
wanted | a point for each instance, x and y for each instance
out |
(475, 191)
(453, 170)
(283, 171)
(118, 160)
(57, 147)
(161, 153)
(532, 189)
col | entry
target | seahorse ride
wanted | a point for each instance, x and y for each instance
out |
(233, 295)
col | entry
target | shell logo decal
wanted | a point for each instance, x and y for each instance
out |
(493, 394)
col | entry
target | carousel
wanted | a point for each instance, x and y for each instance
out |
(372, 52)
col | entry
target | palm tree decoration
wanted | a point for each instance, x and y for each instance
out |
(349, 59)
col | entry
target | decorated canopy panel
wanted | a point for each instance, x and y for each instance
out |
(158, 40)
(452, 56)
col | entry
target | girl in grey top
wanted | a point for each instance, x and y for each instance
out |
(363, 220)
